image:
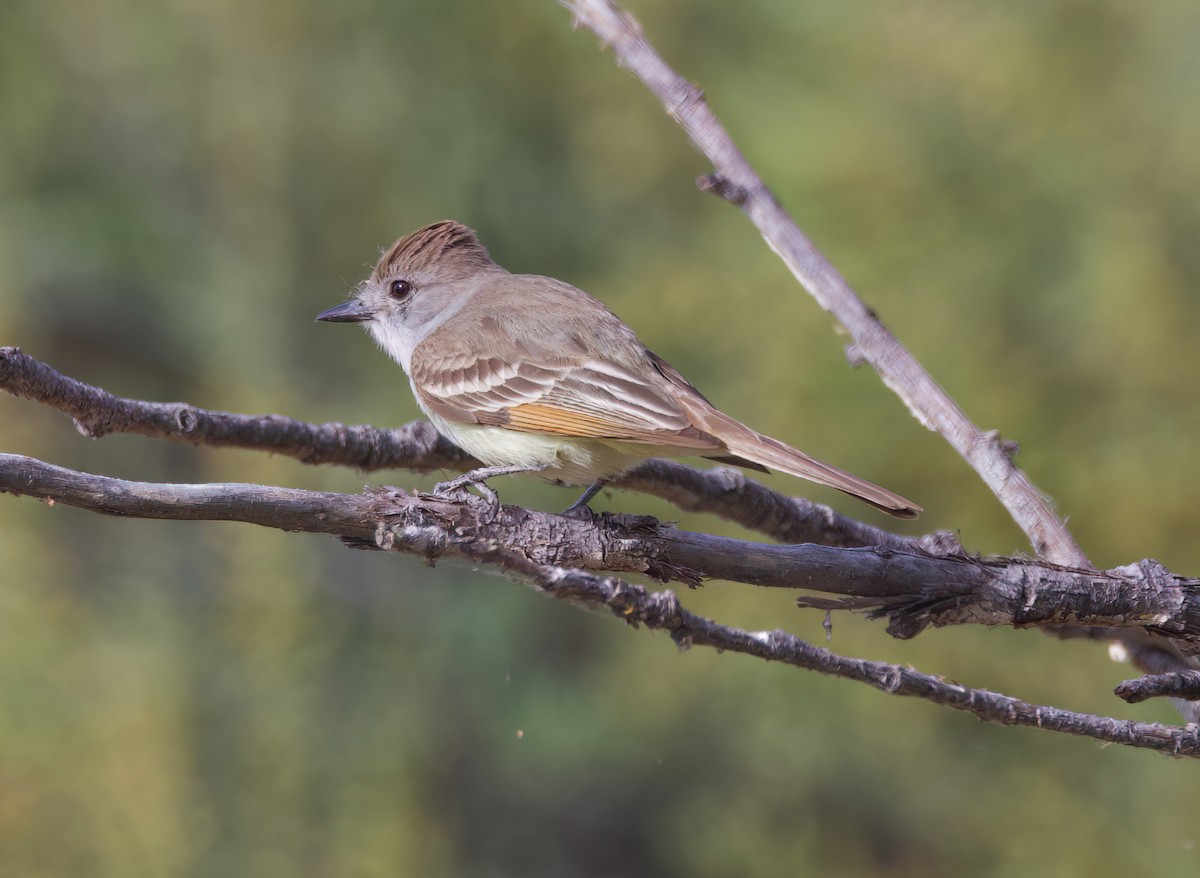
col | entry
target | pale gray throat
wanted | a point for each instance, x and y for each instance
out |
(399, 339)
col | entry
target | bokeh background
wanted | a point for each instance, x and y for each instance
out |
(184, 184)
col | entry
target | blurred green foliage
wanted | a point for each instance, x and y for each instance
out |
(184, 184)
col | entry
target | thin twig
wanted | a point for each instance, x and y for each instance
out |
(1184, 685)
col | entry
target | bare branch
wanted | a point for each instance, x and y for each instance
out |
(737, 182)
(734, 496)
(661, 610)
(913, 589)
(417, 446)
(96, 412)
(1184, 685)
(433, 529)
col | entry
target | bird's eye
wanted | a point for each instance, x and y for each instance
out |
(400, 289)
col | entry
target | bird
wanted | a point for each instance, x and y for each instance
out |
(529, 374)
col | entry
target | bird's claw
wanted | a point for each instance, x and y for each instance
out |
(459, 489)
(460, 484)
(580, 509)
(477, 478)
(580, 512)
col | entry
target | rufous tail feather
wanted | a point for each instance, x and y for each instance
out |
(774, 454)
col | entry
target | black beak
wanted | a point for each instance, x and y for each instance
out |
(352, 311)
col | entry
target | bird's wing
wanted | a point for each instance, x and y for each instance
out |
(561, 396)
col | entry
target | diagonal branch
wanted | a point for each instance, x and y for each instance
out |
(396, 522)
(735, 181)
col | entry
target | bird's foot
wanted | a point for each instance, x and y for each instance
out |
(477, 479)
(580, 508)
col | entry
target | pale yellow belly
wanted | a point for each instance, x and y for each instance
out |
(571, 461)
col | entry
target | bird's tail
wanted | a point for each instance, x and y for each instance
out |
(749, 448)
(760, 449)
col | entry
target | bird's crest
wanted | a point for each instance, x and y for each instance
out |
(447, 244)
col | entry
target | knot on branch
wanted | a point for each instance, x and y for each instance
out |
(890, 679)
(720, 185)
(90, 428)
(1010, 448)
(661, 609)
(187, 420)
(684, 96)
(1150, 573)
(606, 20)
(941, 543)
(431, 542)
(855, 355)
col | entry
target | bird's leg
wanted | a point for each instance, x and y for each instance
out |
(478, 478)
(580, 507)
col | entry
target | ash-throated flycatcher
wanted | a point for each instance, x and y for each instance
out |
(530, 374)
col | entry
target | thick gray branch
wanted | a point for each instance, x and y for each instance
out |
(437, 528)
(737, 182)
(913, 589)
